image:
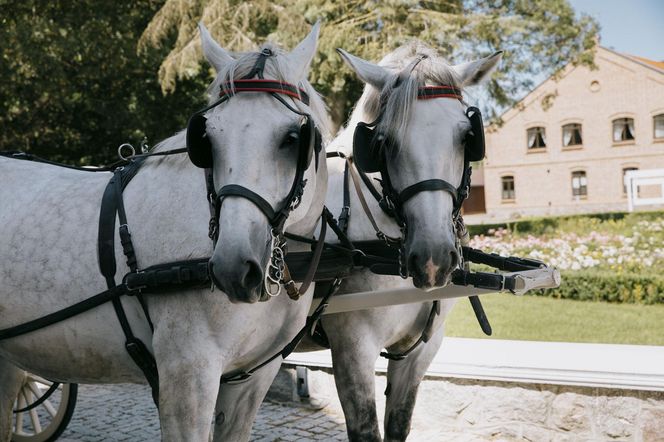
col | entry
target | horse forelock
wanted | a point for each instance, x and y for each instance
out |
(275, 68)
(396, 102)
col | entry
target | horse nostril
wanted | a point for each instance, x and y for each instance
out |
(253, 277)
(454, 261)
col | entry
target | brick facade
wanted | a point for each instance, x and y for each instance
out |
(621, 86)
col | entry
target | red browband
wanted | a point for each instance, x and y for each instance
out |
(429, 92)
(263, 85)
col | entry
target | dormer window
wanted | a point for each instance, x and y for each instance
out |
(572, 135)
(623, 129)
(536, 138)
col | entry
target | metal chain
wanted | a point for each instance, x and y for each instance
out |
(275, 267)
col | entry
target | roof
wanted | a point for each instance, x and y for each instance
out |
(652, 64)
(657, 64)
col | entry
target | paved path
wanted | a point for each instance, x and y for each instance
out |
(126, 413)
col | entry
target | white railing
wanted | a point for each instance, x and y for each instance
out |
(631, 367)
(637, 178)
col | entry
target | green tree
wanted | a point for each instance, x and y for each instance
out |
(538, 36)
(73, 86)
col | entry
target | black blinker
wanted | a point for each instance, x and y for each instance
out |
(198, 144)
(365, 148)
(475, 148)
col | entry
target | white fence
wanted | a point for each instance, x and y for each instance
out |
(638, 178)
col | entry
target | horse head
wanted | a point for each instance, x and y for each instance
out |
(417, 132)
(260, 140)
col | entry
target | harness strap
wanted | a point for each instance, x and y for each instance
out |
(243, 192)
(112, 204)
(424, 337)
(294, 292)
(507, 263)
(318, 251)
(372, 189)
(262, 85)
(288, 348)
(428, 185)
(363, 202)
(52, 389)
(344, 216)
(480, 314)
(259, 66)
(65, 313)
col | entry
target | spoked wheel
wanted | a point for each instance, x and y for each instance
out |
(42, 410)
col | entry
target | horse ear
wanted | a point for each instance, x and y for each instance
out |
(368, 72)
(300, 58)
(474, 72)
(214, 53)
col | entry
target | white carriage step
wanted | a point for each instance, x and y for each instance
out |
(632, 367)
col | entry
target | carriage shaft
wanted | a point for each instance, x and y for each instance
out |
(528, 280)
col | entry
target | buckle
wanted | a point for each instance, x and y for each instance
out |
(130, 287)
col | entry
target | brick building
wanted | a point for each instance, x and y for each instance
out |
(565, 147)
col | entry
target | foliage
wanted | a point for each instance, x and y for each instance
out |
(619, 287)
(613, 222)
(609, 246)
(609, 257)
(73, 86)
(538, 36)
(560, 320)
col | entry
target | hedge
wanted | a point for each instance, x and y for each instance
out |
(595, 285)
(539, 226)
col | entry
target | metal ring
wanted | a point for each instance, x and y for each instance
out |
(268, 290)
(145, 148)
(128, 146)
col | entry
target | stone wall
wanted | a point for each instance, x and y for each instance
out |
(470, 410)
(486, 410)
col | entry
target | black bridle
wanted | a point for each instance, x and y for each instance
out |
(200, 152)
(371, 155)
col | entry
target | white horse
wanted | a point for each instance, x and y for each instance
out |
(430, 135)
(430, 138)
(49, 217)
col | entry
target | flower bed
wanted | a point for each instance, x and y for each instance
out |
(617, 260)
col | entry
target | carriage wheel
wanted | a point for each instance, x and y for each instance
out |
(42, 410)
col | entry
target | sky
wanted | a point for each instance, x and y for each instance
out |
(635, 27)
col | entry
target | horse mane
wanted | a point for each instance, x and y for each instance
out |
(397, 102)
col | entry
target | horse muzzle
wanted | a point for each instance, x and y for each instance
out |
(242, 281)
(431, 267)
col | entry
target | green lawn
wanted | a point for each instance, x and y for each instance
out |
(545, 319)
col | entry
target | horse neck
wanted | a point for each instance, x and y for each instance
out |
(167, 207)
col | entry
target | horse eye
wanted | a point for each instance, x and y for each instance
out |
(291, 139)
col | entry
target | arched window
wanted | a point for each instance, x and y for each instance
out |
(572, 135)
(536, 138)
(579, 184)
(507, 183)
(623, 129)
(658, 126)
